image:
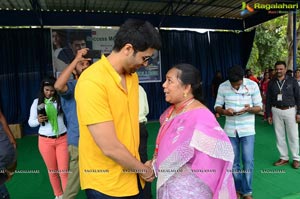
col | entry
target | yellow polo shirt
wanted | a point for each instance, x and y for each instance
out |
(100, 97)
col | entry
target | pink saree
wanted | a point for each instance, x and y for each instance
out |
(194, 158)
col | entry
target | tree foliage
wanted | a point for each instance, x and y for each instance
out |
(270, 44)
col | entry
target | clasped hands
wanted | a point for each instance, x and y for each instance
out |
(148, 175)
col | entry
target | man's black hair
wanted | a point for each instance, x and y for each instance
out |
(77, 36)
(140, 34)
(235, 73)
(280, 63)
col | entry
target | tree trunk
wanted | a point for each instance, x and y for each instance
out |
(290, 40)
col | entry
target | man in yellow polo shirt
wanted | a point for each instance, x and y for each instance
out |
(107, 106)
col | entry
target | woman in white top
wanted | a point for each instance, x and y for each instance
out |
(46, 112)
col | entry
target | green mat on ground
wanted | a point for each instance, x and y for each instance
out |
(269, 182)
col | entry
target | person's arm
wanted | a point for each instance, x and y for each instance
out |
(33, 120)
(227, 112)
(106, 139)
(220, 102)
(7, 130)
(61, 82)
(268, 102)
(254, 109)
(256, 101)
(146, 106)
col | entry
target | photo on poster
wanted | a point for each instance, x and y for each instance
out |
(65, 44)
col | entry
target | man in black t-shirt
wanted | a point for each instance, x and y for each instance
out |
(283, 110)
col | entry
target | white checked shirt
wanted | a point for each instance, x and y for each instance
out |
(143, 105)
(248, 93)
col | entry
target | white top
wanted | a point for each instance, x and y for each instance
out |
(47, 129)
(143, 106)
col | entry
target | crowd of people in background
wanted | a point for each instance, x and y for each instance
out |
(264, 79)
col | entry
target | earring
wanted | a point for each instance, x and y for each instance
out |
(184, 95)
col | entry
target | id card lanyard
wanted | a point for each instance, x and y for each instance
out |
(279, 96)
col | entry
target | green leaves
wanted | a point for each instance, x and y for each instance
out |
(270, 45)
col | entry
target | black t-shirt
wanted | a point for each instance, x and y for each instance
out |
(289, 90)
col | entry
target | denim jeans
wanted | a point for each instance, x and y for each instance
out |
(4, 192)
(93, 194)
(243, 176)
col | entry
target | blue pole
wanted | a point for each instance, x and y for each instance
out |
(294, 40)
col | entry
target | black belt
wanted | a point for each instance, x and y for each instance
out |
(284, 107)
(53, 136)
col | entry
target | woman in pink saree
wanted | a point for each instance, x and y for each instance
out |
(193, 156)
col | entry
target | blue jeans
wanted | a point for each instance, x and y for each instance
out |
(93, 194)
(243, 177)
(4, 192)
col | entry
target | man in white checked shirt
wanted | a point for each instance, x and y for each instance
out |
(242, 99)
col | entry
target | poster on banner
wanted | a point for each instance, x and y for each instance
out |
(66, 43)
(151, 73)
